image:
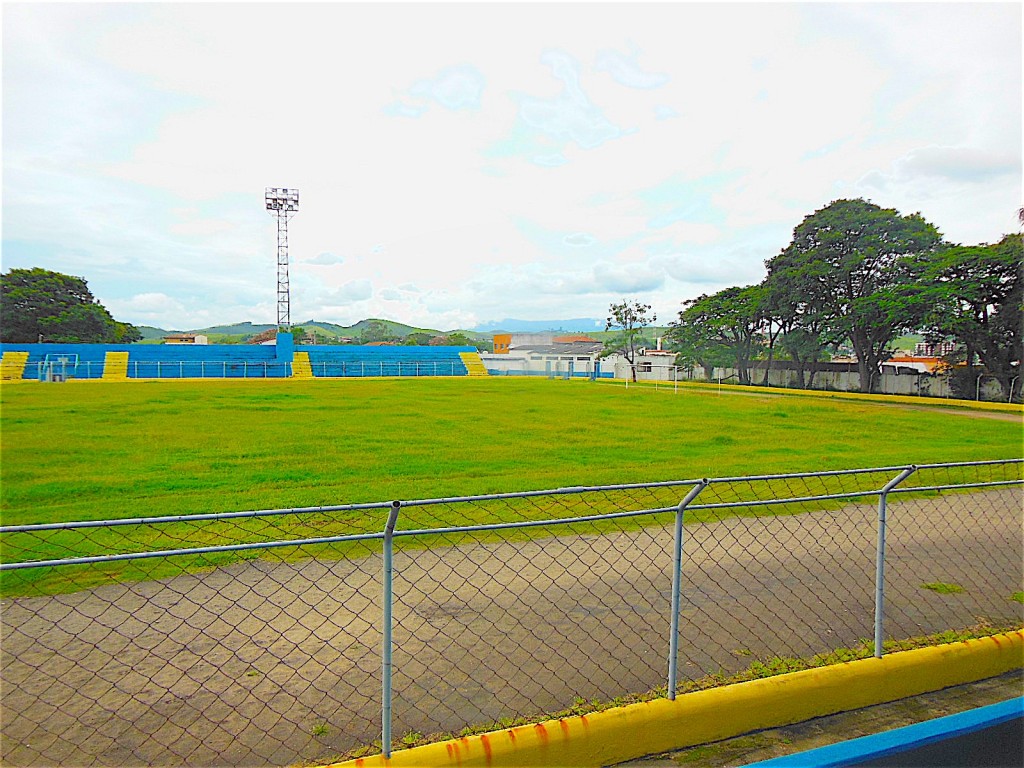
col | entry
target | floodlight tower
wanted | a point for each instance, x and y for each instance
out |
(282, 204)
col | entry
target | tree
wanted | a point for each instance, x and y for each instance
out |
(806, 347)
(459, 340)
(37, 303)
(974, 295)
(795, 308)
(630, 318)
(731, 319)
(375, 331)
(417, 339)
(125, 333)
(856, 264)
(694, 346)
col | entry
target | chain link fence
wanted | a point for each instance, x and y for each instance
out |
(280, 636)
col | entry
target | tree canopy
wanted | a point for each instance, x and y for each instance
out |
(37, 304)
(858, 274)
(974, 295)
(851, 264)
(729, 321)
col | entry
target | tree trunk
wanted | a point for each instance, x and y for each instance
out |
(801, 367)
(743, 371)
(768, 368)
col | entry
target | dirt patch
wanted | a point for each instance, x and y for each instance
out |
(270, 663)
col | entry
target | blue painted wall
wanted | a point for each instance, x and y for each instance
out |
(247, 360)
(358, 360)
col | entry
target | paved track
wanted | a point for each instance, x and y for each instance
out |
(271, 663)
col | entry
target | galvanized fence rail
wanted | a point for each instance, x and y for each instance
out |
(276, 636)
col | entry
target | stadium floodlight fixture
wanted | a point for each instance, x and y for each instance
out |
(282, 203)
(282, 199)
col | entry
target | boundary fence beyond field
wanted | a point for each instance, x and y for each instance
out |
(276, 636)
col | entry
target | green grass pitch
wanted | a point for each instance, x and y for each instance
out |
(110, 450)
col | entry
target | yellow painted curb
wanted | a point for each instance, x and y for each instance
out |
(625, 733)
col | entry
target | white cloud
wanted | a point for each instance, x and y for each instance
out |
(454, 88)
(968, 165)
(578, 240)
(352, 291)
(669, 148)
(325, 258)
(625, 70)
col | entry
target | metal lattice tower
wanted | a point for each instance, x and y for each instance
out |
(282, 204)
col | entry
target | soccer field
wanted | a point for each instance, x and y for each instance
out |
(196, 637)
(99, 451)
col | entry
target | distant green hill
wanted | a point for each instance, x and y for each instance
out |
(150, 333)
(238, 333)
(236, 329)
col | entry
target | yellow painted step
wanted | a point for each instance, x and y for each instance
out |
(474, 365)
(301, 368)
(115, 366)
(12, 366)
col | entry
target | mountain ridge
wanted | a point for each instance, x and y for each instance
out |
(481, 330)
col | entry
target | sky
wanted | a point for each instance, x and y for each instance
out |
(459, 164)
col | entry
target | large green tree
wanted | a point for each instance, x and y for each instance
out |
(695, 345)
(794, 308)
(731, 319)
(37, 303)
(974, 295)
(856, 264)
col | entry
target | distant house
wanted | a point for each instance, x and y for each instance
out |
(919, 363)
(547, 343)
(942, 349)
(268, 336)
(186, 338)
(545, 354)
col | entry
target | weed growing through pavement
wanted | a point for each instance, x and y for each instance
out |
(942, 588)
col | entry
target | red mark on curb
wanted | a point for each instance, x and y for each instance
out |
(512, 735)
(996, 641)
(542, 733)
(454, 752)
(565, 728)
(585, 722)
(487, 746)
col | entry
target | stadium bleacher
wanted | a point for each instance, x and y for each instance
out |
(174, 361)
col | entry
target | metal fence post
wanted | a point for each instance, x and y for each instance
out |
(677, 581)
(880, 556)
(389, 533)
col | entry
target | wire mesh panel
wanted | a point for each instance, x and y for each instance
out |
(182, 660)
(487, 631)
(954, 556)
(781, 580)
(259, 638)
